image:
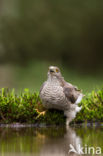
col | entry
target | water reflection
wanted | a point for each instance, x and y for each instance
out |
(46, 141)
(37, 141)
(59, 146)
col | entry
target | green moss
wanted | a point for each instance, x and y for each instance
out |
(27, 108)
(92, 108)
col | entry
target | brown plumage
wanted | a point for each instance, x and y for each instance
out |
(58, 94)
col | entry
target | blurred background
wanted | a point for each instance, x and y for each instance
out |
(40, 33)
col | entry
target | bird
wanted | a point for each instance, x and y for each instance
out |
(56, 93)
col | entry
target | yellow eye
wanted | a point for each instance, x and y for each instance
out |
(57, 70)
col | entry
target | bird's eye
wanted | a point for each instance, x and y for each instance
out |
(57, 70)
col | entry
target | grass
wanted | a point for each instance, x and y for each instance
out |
(92, 108)
(26, 107)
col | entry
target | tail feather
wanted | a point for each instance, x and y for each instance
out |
(79, 99)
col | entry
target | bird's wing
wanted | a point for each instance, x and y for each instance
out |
(71, 92)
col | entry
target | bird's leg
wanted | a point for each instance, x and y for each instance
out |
(68, 117)
(67, 122)
(40, 113)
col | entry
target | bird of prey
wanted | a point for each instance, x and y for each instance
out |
(56, 93)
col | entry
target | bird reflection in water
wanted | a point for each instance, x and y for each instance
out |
(44, 141)
(59, 143)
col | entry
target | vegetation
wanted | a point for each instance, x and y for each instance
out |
(92, 108)
(27, 108)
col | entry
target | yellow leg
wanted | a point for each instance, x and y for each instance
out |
(40, 113)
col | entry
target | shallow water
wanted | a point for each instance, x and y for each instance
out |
(51, 141)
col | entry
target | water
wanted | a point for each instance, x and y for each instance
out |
(52, 141)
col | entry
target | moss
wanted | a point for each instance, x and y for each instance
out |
(92, 108)
(27, 108)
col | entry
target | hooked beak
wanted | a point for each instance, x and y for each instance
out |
(51, 71)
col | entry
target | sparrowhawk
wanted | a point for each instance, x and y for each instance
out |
(56, 93)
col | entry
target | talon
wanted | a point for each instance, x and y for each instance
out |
(40, 114)
(43, 113)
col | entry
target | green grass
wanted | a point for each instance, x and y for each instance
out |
(26, 107)
(92, 108)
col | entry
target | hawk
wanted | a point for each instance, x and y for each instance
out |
(56, 93)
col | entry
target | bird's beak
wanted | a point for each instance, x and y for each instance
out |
(51, 71)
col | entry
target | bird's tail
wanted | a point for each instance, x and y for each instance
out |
(79, 99)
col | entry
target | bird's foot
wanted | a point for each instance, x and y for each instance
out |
(40, 114)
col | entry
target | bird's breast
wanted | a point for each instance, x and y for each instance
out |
(53, 96)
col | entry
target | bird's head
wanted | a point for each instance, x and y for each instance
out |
(54, 72)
